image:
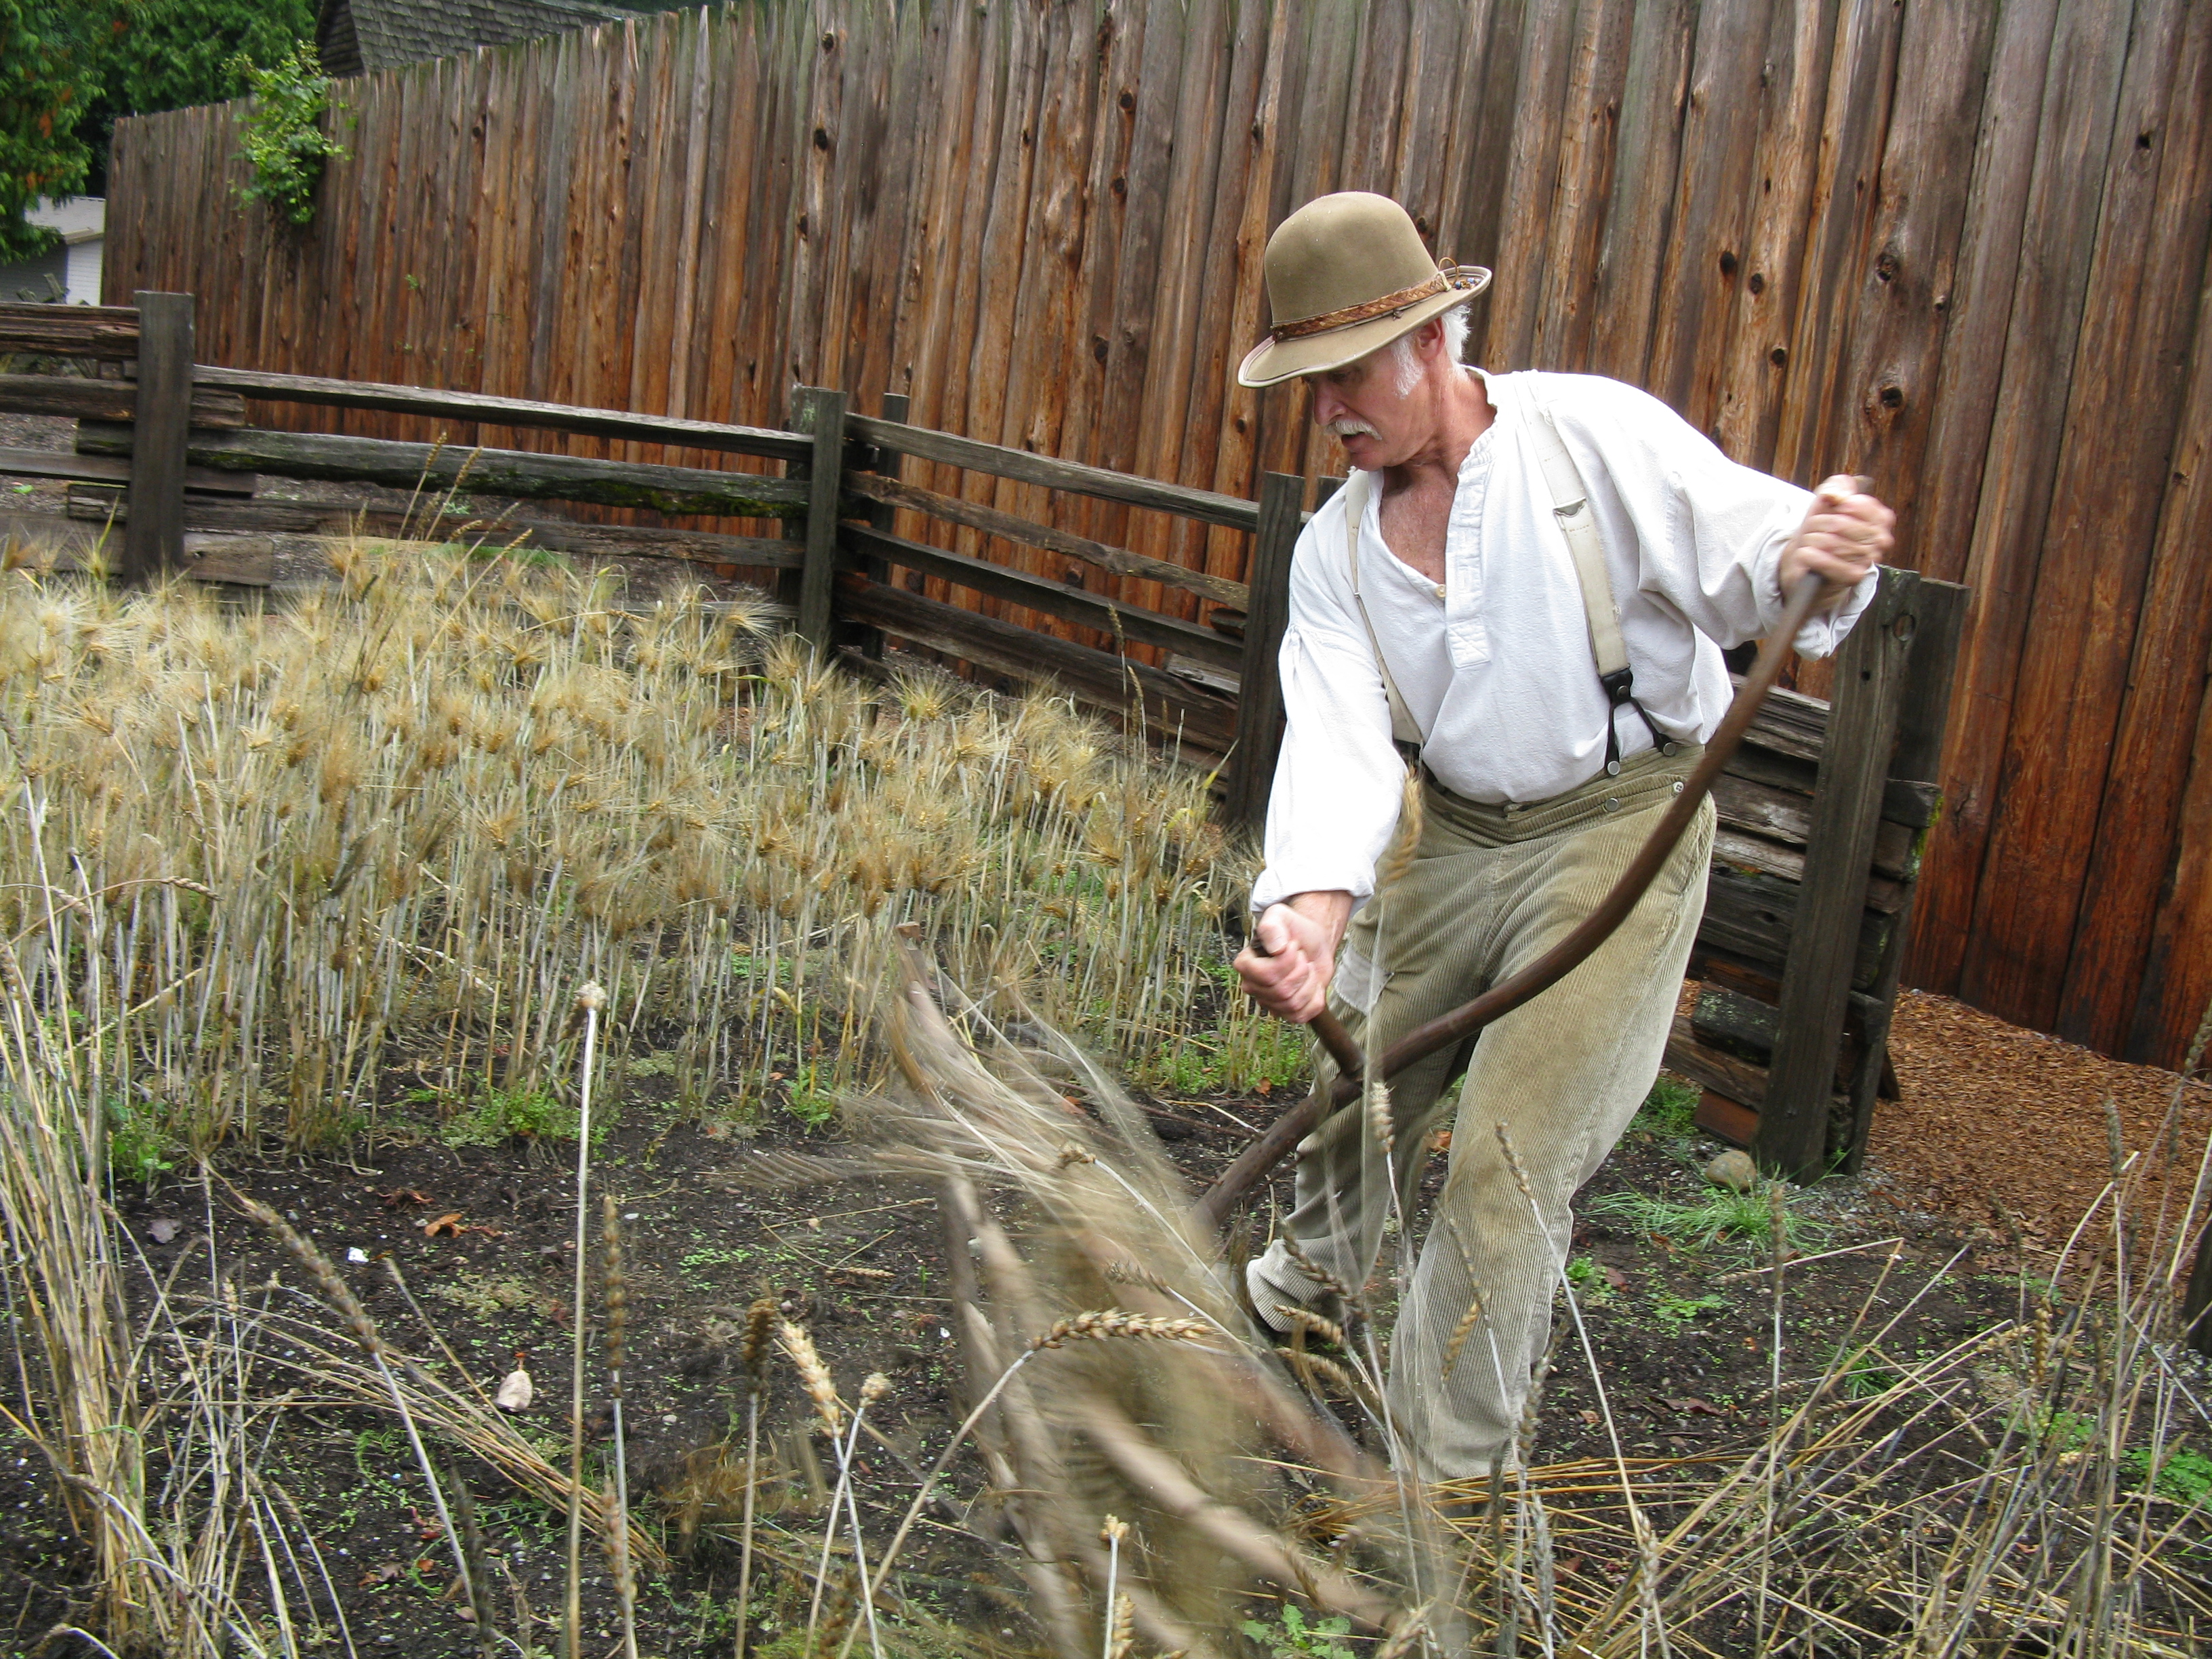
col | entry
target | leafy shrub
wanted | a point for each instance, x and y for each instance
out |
(47, 79)
(284, 141)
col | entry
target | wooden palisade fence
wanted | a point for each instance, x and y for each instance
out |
(1823, 815)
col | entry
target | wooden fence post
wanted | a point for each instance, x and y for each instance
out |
(1938, 613)
(1816, 981)
(154, 532)
(2196, 1300)
(882, 515)
(820, 414)
(1259, 686)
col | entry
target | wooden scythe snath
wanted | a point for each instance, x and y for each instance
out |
(1555, 964)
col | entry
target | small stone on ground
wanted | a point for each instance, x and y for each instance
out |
(1733, 1170)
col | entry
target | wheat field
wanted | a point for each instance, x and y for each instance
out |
(286, 861)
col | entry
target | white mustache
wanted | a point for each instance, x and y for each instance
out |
(1350, 428)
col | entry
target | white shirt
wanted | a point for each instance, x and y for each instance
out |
(1496, 668)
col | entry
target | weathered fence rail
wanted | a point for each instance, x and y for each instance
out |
(1823, 816)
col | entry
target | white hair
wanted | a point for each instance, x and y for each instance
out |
(1456, 327)
(1406, 368)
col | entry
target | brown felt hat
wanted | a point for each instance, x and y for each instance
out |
(1348, 274)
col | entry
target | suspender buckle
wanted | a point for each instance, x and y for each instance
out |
(1619, 686)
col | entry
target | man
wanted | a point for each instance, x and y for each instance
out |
(1532, 578)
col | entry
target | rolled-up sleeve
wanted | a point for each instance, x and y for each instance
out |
(1338, 783)
(1709, 534)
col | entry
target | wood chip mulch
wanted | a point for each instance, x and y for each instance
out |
(1992, 1111)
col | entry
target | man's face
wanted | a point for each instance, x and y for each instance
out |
(1362, 406)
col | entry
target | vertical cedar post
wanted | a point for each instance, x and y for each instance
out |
(1792, 1141)
(1924, 706)
(881, 514)
(2196, 1298)
(1259, 688)
(154, 531)
(821, 414)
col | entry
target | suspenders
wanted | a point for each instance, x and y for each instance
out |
(1404, 729)
(1571, 506)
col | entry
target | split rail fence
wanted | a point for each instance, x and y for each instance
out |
(1823, 815)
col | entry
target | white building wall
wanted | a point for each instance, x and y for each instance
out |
(82, 222)
(84, 277)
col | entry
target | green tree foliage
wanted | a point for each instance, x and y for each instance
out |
(170, 54)
(70, 69)
(48, 79)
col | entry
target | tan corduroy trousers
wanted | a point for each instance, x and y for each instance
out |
(1487, 892)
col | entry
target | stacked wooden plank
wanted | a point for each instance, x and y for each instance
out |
(219, 460)
(1821, 825)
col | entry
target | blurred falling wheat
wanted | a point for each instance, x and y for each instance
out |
(1996, 1497)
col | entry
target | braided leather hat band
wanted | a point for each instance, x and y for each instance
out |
(1448, 277)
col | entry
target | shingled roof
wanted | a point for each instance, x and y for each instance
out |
(353, 37)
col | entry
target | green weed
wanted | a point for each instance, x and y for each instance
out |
(699, 1265)
(1589, 1280)
(1669, 1110)
(1682, 1311)
(1722, 1215)
(1861, 1374)
(138, 1148)
(497, 1116)
(383, 1447)
(1296, 1635)
(807, 1098)
(2057, 1428)
(488, 1299)
(1246, 1051)
(2181, 1474)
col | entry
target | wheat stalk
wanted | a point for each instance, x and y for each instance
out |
(760, 1320)
(364, 1332)
(1107, 1324)
(618, 1306)
(591, 999)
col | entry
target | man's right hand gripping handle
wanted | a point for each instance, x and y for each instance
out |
(1288, 962)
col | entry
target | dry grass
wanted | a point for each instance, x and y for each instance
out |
(259, 870)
